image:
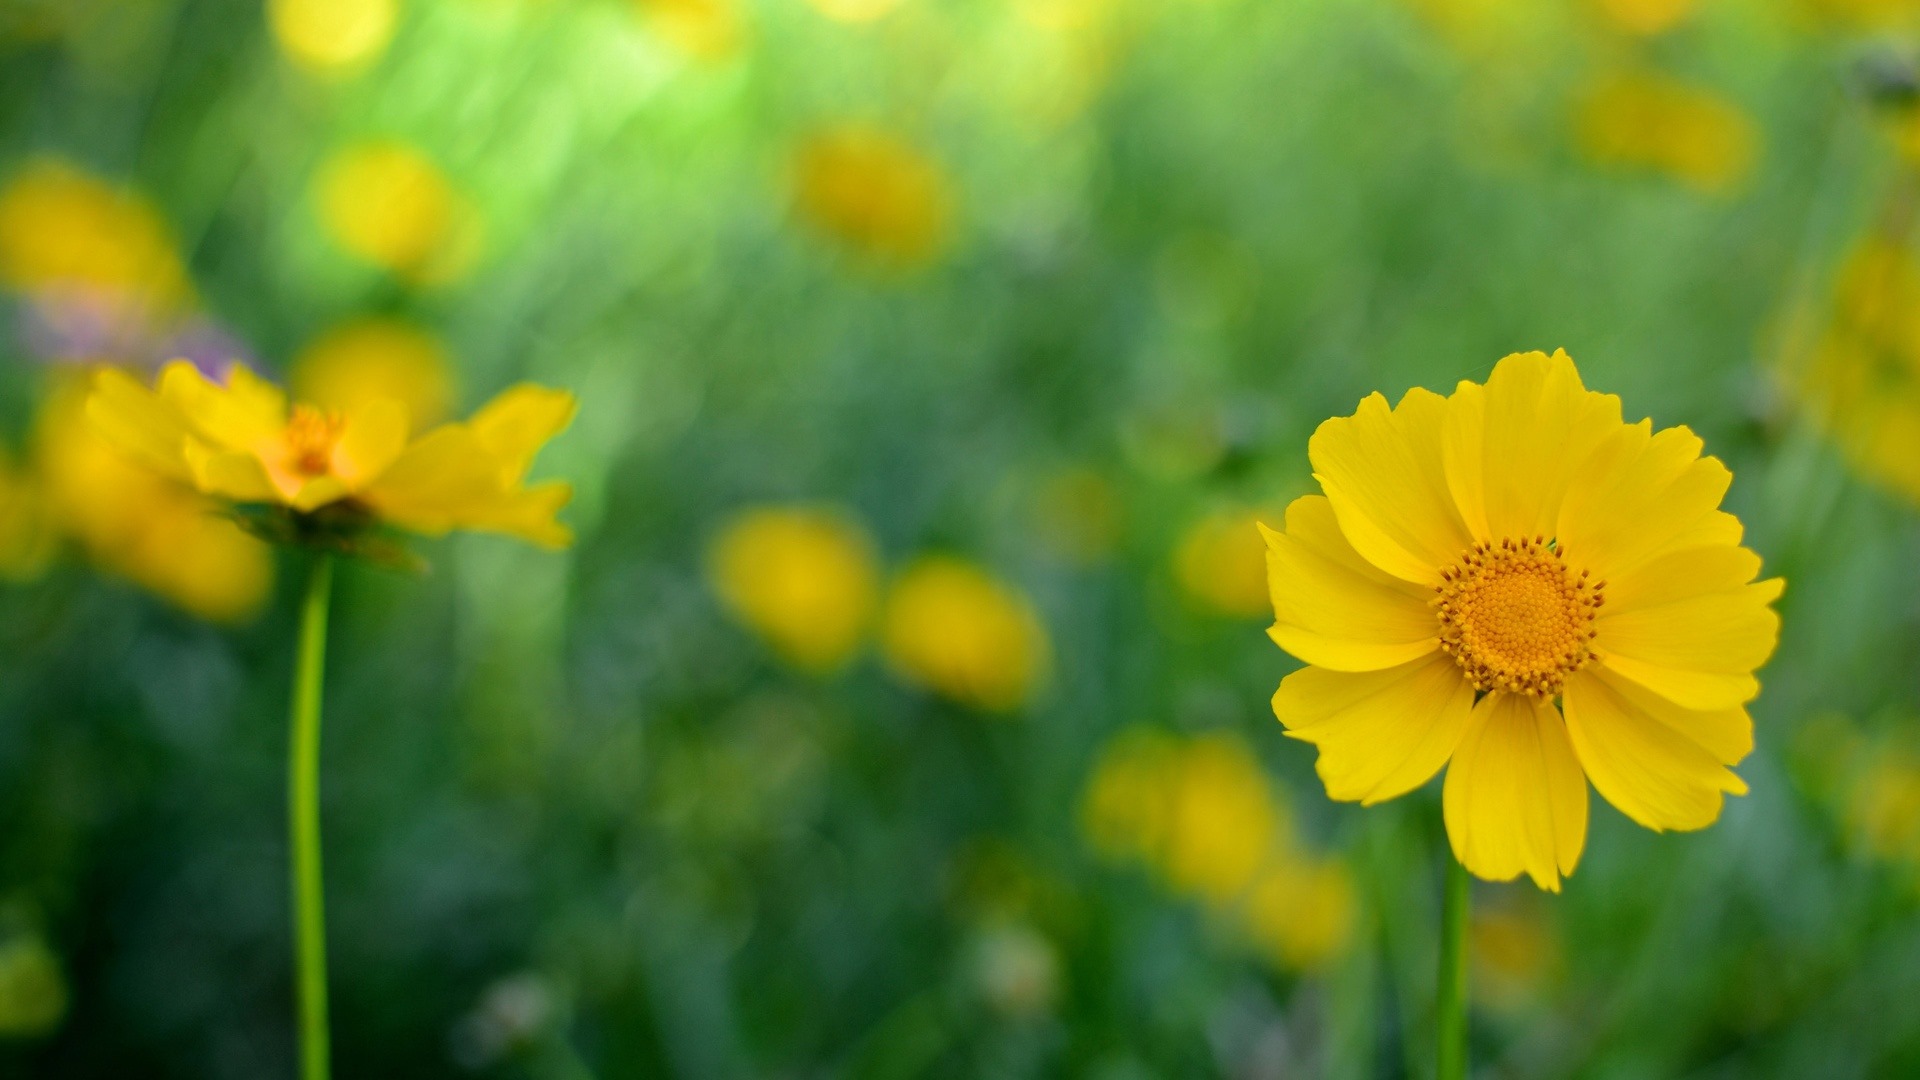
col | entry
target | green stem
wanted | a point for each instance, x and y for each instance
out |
(303, 823)
(1451, 1008)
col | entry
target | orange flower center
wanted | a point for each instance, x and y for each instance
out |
(1516, 617)
(309, 438)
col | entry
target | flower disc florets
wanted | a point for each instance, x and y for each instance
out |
(1516, 617)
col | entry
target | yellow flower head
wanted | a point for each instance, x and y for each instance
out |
(1224, 820)
(1302, 912)
(874, 193)
(1126, 810)
(952, 628)
(387, 203)
(706, 30)
(1222, 564)
(241, 442)
(1515, 584)
(331, 35)
(63, 229)
(802, 577)
(134, 523)
(1864, 380)
(1645, 121)
(355, 364)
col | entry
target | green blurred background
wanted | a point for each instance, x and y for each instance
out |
(902, 708)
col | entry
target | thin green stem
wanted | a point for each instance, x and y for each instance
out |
(1451, 1008)
(303, 824)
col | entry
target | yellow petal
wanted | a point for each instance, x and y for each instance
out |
(229, 474)
(1679, 574)
(246, 414)
(1515, 799)
(516, 424)
(1727, 633)
(316, 492)
(1512, 447)
(139, 424)
(1727, 733)
(1651, 771)
(1380, 733)
(1382, 471)
(443, 475)
(372, 437)
(527, 513)
(1643, 493)
(1335, 609)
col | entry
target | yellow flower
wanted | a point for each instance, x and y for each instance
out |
(1646, 121)
(240, 442)
(708, 30)
(27, 537)
(1223, 820)
(387, 203)
(331, 35)
(33, 992)
(802, 577)
(1447, 590)
(354, 364)
(60, 229)
(874, 193)
(1126, 811)
(1884, 806)
(954, 629)
(134, 523)
(1864, 380)
(1302, 912)
(1222, 563)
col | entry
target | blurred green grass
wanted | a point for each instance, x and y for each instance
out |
(1043, 286)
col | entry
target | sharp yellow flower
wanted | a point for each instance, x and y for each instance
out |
(1478, 558)
(804, 578)
(951, 627)
(242, 443)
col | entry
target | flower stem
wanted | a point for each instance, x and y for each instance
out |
(1451, 1008)
(303, 823)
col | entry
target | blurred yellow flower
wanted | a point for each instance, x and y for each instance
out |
(1221, 562)
(1863, 383)
(61, 228)
(1302, 912)
(802, 577)
(385, 202)
(1126, 810)
(1646, 18)
(871, 191)
(1883, 808)
(1641, 120)
(1478, 558)
(708, 30)
(240, 442)
(1223, 820)
(356, 363)
(27, 537)
(146, 529)
(33, 992)
(331, 35)
(954, 629)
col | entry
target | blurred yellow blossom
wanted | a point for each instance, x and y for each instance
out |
(63, 229)
(1221, 563)
(1223, 822)
(802, 577)
(33, 992)
(1645, 17)
(240, 442)
(954, 629)
(387, 203)
(874, 193)
(331, 35)
(148, 530)
(1642, 120)
(1863, 381)
(1302, 911)
(356, 363)
(27, 537)
(1883, 808)
(1127, 807)
(708, 30)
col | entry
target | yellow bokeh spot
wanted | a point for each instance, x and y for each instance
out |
(1126, 810)
(63, 229)
(1884, 807)
(1652, 122)
(366, 360)
(1302, 912)
(707, 30)
(1221, 563)
(802, 577)
(1646, 18)
(388, 204)
(33, 992)
(1224, 820)
(956, 630)
(1863, 380)
(329, 35)
(138, 525)
(874, 193)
